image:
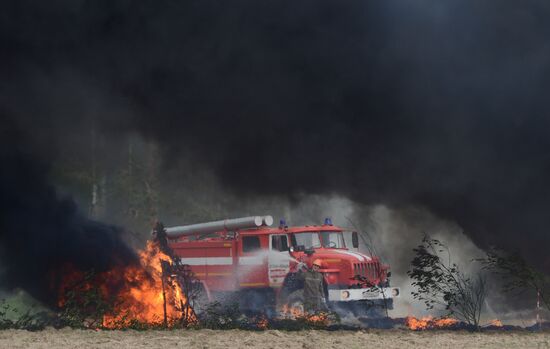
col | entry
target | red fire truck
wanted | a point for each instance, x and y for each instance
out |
(259, 265)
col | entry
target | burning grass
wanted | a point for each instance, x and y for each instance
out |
(429, 323)
(127, 297)
(228, 316)
(147, 296)
(317, 319)
(220, 317)
(152, 296)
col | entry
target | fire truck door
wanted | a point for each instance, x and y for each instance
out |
(252, 261)
(278, 259)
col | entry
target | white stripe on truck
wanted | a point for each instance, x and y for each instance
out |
(251, 260)
(222, 260)
(207, 261)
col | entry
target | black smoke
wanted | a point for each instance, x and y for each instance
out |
(42, 234)
(441, 104)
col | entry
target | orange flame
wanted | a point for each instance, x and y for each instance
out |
(262, 323)
(292, 312)
(428, 322)
(297, 313)
(140, 293)
(496, 323)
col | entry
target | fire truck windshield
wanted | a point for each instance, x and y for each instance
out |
(332, 239)
(328, 239)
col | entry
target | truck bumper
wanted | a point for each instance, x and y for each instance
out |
(358, 294)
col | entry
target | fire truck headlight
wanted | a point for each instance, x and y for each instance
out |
(395, 292)
(345, 294)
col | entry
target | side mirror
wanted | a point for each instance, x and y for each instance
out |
(355, 239)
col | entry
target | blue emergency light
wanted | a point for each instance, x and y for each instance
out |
(328, 221)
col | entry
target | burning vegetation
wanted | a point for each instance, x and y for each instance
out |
(156, 294)
(429, 322)
(295, 313)
(441, 283)
(159, 291)
(147, 294)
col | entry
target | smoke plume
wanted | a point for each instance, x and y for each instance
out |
(42, 234)
(435, 104)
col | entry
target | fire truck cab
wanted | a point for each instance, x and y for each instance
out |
(260, 264)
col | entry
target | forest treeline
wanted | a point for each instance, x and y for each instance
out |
(124, 181)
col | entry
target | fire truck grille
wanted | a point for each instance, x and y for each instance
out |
(368, 270)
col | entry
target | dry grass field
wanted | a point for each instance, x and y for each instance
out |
(386, 339)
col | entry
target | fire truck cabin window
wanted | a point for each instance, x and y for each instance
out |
(279, 243)
(251, 243)
(308, 240)
(332, 239)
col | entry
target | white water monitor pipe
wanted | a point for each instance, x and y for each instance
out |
(226, 224)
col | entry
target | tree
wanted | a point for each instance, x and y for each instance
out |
(440, 282)
(518, 275)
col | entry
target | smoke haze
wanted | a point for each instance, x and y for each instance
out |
(428, 105)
